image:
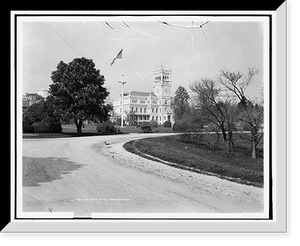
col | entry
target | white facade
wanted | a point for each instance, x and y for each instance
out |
(147, 106)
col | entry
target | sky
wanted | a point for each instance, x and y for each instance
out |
(223, 43)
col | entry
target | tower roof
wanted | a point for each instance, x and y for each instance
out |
(162, 69)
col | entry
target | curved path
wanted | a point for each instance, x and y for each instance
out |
(86, 175)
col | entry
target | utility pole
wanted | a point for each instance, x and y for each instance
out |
(122, 114)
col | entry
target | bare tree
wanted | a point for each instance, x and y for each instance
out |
(253, 119)
(250, 114)
(217, 109)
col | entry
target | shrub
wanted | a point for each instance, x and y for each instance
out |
(36, 112)
(145, 127)
(153, 124)
(27, 128)
(47, 125)
(40, 117)
(106, 127)
(190, 129)
(167, 124)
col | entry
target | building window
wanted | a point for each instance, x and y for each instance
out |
(156, 118)
(152, 110)
(166, 101)
(144, 110)
(142, 101)
(141, 110)
(134, 101)
(154, 102)
(156, 110)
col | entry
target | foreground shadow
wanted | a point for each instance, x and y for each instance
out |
(37, 170)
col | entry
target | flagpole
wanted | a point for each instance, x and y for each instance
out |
(119, 56)
(122, 116)
(122, 103)
(122, 83)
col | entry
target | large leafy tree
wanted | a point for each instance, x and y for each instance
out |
(78, 92)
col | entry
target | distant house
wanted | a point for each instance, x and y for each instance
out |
(147, 106)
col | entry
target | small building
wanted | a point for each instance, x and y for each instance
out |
(147, 106)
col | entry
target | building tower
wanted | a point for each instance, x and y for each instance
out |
(162, 83)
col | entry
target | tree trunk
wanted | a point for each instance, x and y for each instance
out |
(224, 135)
(78, 124)
(253, 149)
(254, 132)
(225, 138)
(230, 141)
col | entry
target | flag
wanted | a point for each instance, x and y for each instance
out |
(119, 56)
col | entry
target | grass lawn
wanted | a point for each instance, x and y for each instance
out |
(237, 166)
(90, 130)
(67, 131)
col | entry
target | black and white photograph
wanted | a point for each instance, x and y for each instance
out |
(144, 117)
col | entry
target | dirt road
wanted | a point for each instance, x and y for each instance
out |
(87, 175)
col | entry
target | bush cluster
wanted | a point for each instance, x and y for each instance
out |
(41, 118)
(153, 124)
(47, 125)
(146, 127)
(107, 128)
(190, 129)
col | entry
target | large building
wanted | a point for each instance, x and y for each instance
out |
(147, 106)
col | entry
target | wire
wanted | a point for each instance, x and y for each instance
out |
(180, 48)
(64, 40)
(192, 28)
(128, 39)
(102, 26)
(110, 26)
(116, 39)
(139, 30)
(126, 29)
(206, 48)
